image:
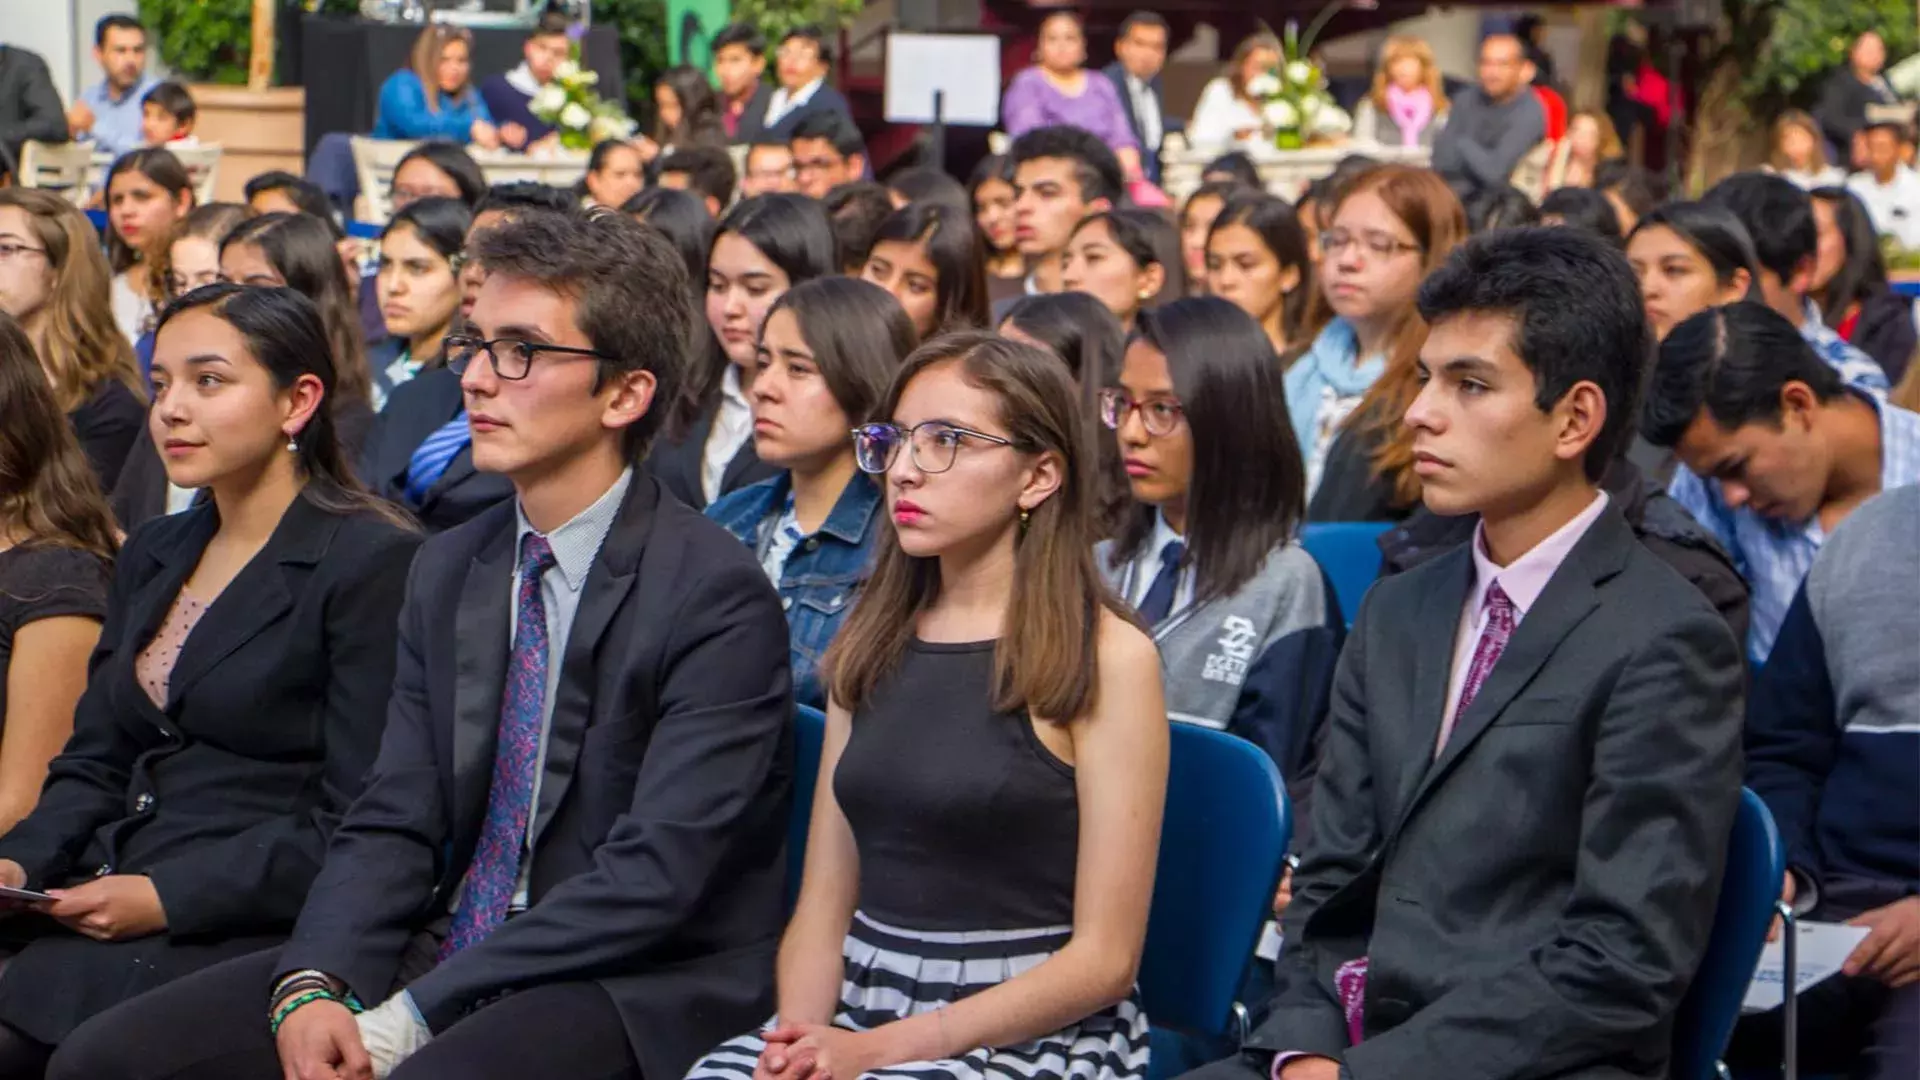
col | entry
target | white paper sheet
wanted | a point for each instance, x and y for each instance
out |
(1823, 947)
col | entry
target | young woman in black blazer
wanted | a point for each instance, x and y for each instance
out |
(238, 693)
(763, 247)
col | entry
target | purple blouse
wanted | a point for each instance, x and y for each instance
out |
(1031, 101)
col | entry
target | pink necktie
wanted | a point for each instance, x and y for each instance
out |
(1493, 642)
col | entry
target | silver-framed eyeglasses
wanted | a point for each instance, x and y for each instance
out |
(512, 358)
(935, 445)
(1160, 416)
(1377, 244)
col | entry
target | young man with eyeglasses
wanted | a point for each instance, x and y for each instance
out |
(569, 856)
(827, 151)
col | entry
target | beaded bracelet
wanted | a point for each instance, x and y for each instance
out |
(289, 1008)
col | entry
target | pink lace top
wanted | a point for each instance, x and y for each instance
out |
(154, 665)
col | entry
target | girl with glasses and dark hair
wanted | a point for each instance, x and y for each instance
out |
(980, 860)
(1088, 339)
(1126, 259)
(1387, 228)
(53, 279)
(763, 247)
(828, 351)
(931, 258)
(177, 830)
(421, 252)
(1209, 553)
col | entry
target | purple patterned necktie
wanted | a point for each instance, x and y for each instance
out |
(495, 870)
(1493, 642)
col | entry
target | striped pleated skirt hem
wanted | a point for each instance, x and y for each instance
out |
(893, 973)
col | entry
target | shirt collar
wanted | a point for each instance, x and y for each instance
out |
(730, 387)
(521, 79)
(804, 94)
(577, 543)
(853, 510)
(1526, 577)
(1163, 535)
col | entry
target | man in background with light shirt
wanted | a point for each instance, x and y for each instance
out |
(1140, 55)
(109, 110)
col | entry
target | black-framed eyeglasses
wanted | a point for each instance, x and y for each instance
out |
(1379, 245)
(511, 358)
(1160, 416)
(935, 444)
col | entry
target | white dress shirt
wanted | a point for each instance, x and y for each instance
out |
(781, 103)
(1147, 567)
(1146, 112)
(732, 427)
(1894, 207)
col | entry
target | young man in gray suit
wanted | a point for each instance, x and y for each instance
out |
(1533, 753)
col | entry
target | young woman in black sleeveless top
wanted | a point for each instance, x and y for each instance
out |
(980, 862)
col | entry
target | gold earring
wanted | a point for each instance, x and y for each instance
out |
(1024, 515)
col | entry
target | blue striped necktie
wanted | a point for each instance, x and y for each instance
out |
(431, 458)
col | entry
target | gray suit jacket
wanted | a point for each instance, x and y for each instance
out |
(1535, 900)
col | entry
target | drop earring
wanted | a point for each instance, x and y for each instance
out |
(293, 447)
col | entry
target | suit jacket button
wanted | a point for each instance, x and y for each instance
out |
(813, 543)
(144, 803)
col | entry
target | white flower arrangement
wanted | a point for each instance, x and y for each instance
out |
(1296, 104)
(570, 105)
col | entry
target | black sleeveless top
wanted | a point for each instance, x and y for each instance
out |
(963, 819)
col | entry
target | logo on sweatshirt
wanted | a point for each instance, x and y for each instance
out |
(1237, 639)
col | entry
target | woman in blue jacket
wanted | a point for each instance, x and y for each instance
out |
(435, 97)
(828, 350)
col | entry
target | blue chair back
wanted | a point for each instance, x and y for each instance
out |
(809, 733)
(1350, 554)
(1756, 861)
(1226, 831)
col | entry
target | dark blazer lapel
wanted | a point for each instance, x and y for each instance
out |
(258, 596)
(1570, 596)
(147, 609)
(1432, 630)
(602, 596)
(482, 639)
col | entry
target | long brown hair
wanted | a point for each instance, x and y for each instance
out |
(1796, 118)
(48, 494)
(1045, 661)
(211, 223)
(428, 48)
(1433, 214)
(80, 345)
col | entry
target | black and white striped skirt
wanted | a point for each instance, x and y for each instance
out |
(893, 973)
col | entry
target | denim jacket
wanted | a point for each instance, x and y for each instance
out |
(821, 577)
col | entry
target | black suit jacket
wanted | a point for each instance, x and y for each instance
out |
(676, 463)
(225, 797)
(416, 409)
(825, 99)
(658, 843)
(1116, 73)
(29, 105)
(1535, 900)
